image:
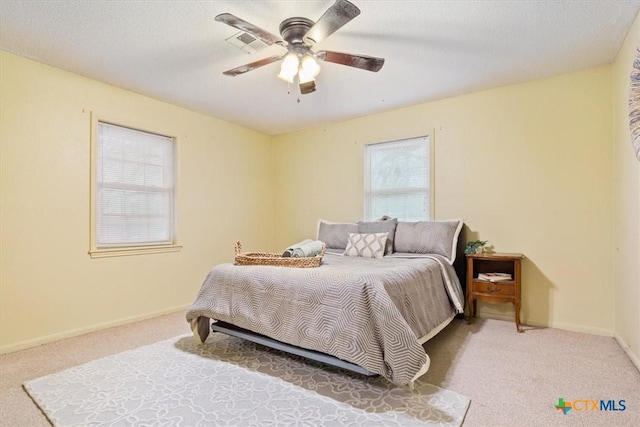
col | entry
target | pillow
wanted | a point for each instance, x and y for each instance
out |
(384, 226)
(335, 234)
(366, 245)
(428, 237)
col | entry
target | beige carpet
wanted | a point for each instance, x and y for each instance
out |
(516, 379)
(511, 379)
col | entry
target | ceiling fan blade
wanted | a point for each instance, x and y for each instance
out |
(363, 62)
(333, 18)
(252, 66)
(247, 27)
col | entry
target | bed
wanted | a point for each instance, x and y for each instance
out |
(369, 313)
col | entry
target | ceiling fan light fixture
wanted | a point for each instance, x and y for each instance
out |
(309, 69)
(307, 87)
(289, 67)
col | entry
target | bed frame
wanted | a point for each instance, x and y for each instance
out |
(229, 329)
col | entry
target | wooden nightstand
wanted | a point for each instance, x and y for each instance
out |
(493, 292)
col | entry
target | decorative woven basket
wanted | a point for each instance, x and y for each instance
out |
(265, 258)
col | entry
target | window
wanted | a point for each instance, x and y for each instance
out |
(398, 177)
(133, 191)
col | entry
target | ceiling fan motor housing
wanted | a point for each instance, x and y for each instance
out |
(294, 29)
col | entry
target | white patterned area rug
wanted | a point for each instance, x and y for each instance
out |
(232, 382)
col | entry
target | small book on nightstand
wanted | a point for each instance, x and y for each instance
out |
(495, 277)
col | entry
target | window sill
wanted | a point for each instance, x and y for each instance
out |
(136, 250)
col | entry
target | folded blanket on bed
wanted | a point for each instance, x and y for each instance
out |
(308, 249)
(289, 251)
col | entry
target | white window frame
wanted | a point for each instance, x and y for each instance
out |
(96, 251)
(431, 174)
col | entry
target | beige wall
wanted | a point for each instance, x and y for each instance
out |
(49, 287)
(626, 206)
(528, 167)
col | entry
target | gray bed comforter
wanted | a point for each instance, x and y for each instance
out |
(370, 312)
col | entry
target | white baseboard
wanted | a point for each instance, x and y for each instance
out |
(634, 358)
(555, 325)
(81, 331)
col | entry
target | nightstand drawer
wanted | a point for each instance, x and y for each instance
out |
(491, 288)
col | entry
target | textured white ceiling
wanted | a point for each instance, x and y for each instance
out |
(175, 51)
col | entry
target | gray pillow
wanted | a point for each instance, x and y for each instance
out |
(336, 234)
(428, 237)
(386, 226)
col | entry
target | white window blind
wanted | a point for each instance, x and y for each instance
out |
(397, 180)
(135, 184)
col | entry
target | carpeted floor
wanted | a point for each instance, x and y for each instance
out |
(511, 378)
(516, 379)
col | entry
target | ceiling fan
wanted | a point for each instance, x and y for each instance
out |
(299, 35)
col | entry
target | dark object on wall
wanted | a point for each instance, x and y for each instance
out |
(634, 104)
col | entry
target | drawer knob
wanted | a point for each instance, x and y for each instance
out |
(493, 289)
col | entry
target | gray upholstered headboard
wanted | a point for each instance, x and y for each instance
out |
(460, 264)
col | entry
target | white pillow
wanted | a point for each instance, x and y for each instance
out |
(369, 245)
